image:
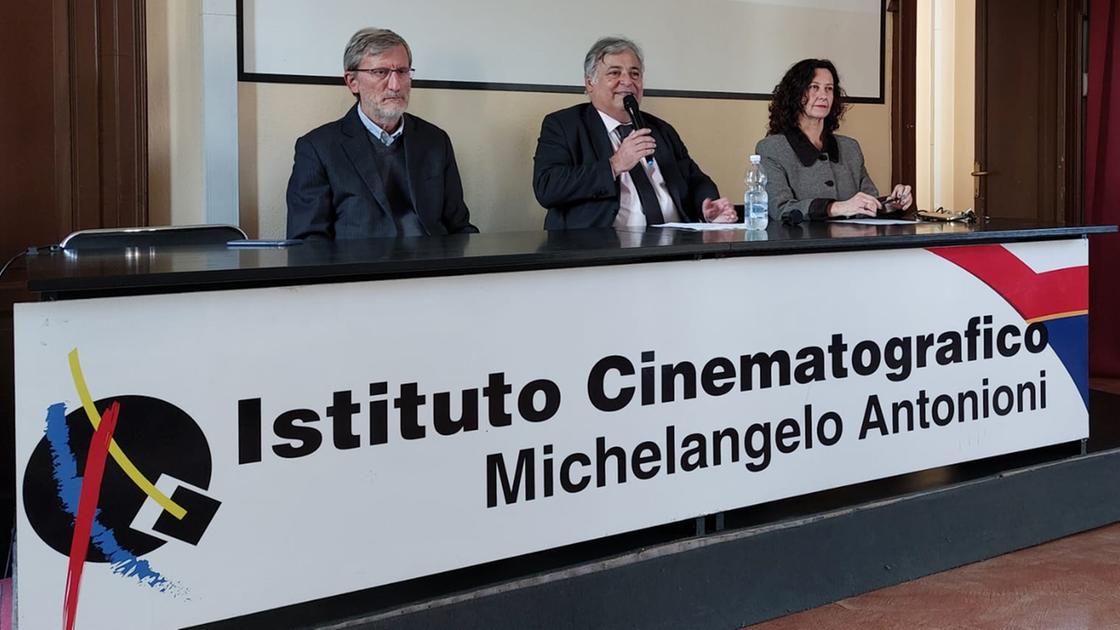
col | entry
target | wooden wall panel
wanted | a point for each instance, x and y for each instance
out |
(73, 149)
(904, 149)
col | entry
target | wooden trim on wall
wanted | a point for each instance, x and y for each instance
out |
(1051, 125)
(108, 111)
(1073, 42)
(61, 79)
(981, 150)
(904, 17)
(101, 114)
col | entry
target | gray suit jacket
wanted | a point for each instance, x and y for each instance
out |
(801, 178)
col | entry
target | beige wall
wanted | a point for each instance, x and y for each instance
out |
(946, 103)
(175, 193)
(494, 134)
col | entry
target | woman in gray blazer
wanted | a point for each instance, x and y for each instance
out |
(812, 172)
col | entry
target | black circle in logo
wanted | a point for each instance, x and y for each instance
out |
(156, 436)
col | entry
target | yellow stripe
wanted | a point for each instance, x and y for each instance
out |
(1046, 318)
(122, 460)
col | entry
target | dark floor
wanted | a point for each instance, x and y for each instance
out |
(1070, 583)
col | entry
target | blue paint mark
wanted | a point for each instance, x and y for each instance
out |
(1069, 339)
(65, 466)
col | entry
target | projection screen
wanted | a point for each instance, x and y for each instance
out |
(703, 49)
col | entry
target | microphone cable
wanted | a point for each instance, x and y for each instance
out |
(11, 260)
(30, 251)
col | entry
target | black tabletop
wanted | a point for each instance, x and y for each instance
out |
(88, 273)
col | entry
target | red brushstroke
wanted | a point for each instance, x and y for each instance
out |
(87, 507)
(1032, 294)
(6, 604)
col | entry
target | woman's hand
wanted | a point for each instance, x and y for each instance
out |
(902, 196)
(861, 204)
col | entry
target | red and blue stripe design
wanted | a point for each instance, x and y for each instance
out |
(1058, 298)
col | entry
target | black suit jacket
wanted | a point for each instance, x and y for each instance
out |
(572, 174)
(335, 190)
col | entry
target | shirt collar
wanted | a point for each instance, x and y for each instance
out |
(377, 131)
(610, 122)
(806, 152)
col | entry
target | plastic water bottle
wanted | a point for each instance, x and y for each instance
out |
(755, 201)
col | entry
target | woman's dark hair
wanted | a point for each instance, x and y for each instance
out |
(789, 96)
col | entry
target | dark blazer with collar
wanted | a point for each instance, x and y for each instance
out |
(335, 190)
(572, 174)
(802, 178)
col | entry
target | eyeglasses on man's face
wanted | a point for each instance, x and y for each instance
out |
(381, 74)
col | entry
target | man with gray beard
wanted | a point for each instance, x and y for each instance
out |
(377, 171)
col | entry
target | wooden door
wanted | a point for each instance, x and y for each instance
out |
(1028, 110)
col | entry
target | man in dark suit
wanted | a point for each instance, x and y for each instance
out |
(377, 171)
(591, 167)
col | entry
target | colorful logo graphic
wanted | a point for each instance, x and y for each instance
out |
(1059, 299)
(117, 479)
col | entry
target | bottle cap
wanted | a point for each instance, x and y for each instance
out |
(755, 159)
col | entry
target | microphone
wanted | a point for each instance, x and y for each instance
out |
(793, 217)
(630, 104)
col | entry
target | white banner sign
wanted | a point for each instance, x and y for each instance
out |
(194, 457)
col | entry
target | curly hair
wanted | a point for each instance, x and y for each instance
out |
(789, 97)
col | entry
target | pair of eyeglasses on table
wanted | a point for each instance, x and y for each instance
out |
(885, 211)
(945, 216)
